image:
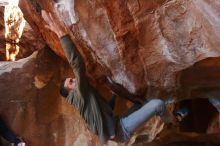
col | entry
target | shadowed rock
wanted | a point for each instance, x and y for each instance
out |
(31, 105)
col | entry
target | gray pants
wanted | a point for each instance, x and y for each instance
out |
(138, 115)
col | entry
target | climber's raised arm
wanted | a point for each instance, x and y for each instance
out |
(71, 52)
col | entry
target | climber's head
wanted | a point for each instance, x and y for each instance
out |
(66, 86)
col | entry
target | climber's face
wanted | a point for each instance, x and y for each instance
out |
(70, 84)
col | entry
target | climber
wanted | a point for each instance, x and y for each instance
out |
(9, 135)
(93, 108)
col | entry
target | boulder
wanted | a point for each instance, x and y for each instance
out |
(138, 45)
(31, 106)
(145, 49)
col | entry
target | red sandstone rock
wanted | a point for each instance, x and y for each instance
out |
(30, 40)
(141, 45)
(32, 107)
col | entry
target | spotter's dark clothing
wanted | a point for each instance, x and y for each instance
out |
(7, 134)
(96, 112)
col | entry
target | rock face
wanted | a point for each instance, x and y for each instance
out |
(140, 45)
(30, 103)
(30, 40)
(147, 49)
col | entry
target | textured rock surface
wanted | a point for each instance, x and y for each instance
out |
(143, 46)
(31, 106)
(200, 80)
(29, 42)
